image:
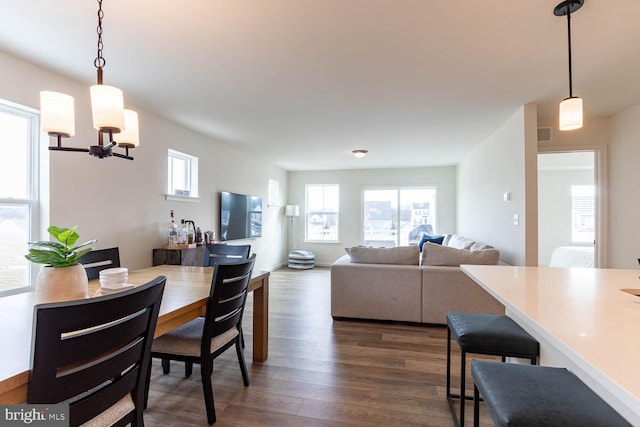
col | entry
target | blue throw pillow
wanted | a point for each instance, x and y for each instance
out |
(433, 239)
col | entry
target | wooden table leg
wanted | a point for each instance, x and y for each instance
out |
(261, 321)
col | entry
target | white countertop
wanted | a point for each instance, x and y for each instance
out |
(582, 314)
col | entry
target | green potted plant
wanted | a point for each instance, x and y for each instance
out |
(62, 278)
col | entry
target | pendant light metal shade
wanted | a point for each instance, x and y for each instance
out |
(571, 107)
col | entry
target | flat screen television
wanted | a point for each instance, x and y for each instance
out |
(240, 216)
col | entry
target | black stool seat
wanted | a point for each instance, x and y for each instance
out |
(525, 395)
(490, 334)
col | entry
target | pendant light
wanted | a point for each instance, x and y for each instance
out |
(110, 118)
(571, 107)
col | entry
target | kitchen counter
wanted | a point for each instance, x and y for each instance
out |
(583, 320)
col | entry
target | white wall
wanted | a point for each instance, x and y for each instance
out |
(554, 213)
(502, 164)
(121, 202)
(624, 181)
(351, 184)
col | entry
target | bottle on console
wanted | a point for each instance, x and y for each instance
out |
(172, 237)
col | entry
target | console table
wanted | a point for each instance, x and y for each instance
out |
(190, 256)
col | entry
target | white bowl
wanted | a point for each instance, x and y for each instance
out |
(114, 271)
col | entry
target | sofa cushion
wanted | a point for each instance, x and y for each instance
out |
(405, 255)
(459, 242)
(433, 239)
(433, 254)
(480, 247)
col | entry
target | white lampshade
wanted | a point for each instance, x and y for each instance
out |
(107, 106)
(292, 210)
(57, 115)
(571, 113)
(129, 136)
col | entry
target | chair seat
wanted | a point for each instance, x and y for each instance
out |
(491, 334)
(115, 413)
(186, 339)
(529, 395)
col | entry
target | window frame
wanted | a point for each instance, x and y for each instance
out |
(324, 211)
(398, 210)
(577, 203)
(32, 200)
(190, 176)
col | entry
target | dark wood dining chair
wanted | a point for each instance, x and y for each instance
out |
(216, 253)
(205, 338)
(100, 259)
(95, 353)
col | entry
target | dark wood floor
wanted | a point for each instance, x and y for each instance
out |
(320, 372)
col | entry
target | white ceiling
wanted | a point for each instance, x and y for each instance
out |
(303, 82)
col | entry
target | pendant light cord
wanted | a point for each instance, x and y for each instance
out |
(569, 37)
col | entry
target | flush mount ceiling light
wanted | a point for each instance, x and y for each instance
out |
(571, 107)
(107, 107)
(360, 153)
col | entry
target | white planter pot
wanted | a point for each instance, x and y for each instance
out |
(62, 284)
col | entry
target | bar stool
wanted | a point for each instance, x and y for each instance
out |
(488, 334)
(524, 395)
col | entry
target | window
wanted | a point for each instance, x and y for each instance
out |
(583, 218)
(398, 216)
(322, 208)
(18, 194)
(182, 175)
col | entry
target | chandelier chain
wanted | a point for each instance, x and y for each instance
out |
(99, 62)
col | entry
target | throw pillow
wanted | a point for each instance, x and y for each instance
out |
(433, 254)
(405, 255)
(433, 239)
(459, 242)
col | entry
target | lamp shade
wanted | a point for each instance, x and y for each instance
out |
(292, 210)
(129, 136)
(571, 113)
(107, 107)
(57, 115)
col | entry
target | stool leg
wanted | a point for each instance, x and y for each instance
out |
(476, 406)
(463, 365)
(448, 363)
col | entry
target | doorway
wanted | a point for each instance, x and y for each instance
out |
(568, 209)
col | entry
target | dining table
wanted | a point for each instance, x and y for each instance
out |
(184, 299)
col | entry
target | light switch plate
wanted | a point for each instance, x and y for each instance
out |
(516, 219)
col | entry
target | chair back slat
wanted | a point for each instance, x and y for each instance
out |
(93, 352)
(82, 346)
(227, 298)
(87, 407)
(94, 373)
(97, 260)
(216, 253)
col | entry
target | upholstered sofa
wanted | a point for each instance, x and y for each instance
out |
(406, 284)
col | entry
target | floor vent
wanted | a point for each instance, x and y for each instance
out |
(544, 134)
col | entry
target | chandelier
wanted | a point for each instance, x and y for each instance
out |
(116, 126)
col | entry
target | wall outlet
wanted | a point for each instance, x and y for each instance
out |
(516, 219)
